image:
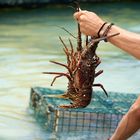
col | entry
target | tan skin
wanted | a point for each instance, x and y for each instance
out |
(90, 24)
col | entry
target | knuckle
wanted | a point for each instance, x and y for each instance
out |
(82, 17)
(84, 11)
(75, 15)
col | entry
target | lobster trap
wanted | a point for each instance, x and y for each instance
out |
(102, 115)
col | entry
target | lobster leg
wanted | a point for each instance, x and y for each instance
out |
(62, 65)
(59, 73)
(55, 79)
(102, 38)
(63, 43)
(68, 58)
(71, 45)
(98, 73)
(97, 63)
(59, 64)
(101, 86)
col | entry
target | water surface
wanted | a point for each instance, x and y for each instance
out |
(29, 39)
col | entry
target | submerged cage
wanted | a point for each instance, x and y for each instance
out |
(102, 115)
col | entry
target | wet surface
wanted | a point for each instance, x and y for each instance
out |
(29, 39)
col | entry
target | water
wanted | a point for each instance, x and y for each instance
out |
(29, 39)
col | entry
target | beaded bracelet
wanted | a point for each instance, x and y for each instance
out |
(107, 30)
(101, 29)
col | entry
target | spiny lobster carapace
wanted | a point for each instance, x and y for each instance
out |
(81, 65)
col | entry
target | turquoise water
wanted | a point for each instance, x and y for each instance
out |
(29, 39)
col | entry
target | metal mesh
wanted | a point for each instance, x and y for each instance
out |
(102, 115)
(83, 121)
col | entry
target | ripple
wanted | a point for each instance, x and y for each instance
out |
(27, 43)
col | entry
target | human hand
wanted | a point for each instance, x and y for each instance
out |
(89, 22)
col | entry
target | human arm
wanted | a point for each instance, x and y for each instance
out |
(129, 123)
(90, 24)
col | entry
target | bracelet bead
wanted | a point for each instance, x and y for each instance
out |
(101, 28)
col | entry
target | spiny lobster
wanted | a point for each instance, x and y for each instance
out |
(81, 65)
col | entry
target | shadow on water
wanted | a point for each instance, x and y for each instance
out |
(28, 41)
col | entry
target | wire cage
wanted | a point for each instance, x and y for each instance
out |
(102, 115)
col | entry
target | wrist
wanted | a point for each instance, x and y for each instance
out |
(100, 29)
(106, 30)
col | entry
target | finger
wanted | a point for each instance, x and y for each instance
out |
(81, 18)
(83, 31)
(78, 14)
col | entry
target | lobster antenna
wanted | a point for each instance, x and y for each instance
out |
(66, 31)
(79, 39)
(71, 7)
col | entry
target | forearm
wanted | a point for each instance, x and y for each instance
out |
(127, 41)
(90, 24)
(129, 124)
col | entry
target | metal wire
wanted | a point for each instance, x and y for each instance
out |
(61, 120)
